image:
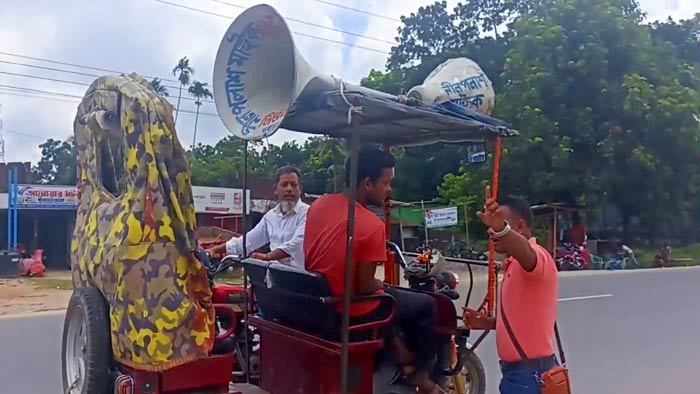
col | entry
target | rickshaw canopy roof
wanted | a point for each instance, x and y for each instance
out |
(390, 122)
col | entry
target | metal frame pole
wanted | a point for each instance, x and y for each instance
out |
(9, 209)
(352, 198)
(493, 274)
(15, 209)
(244, 206)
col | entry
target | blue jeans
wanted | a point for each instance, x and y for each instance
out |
(519, 378)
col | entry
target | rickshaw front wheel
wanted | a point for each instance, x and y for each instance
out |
(472, 378)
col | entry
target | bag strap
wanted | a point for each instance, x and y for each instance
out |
(516, 344)
(562, 357)
(511, 334)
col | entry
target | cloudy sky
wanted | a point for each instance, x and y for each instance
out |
(149, 36)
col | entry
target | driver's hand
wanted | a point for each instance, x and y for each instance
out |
(477, 320)
(259, 256)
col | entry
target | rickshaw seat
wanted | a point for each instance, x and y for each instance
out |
(299, 332)
(303, 300)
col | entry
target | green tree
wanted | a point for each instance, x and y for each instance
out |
(200, 92)
(157, 85)
(183, 71)
(593, 94)
(684, 37)
(58, 164)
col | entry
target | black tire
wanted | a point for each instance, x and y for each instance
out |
(88, 304)
(476, 375)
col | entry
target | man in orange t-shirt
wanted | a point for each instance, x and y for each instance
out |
(325, 241)
(528, 297)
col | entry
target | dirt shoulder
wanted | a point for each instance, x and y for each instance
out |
(30, 295)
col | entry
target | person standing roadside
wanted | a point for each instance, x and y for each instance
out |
(527, 312)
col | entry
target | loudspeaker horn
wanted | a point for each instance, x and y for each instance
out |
(457, 80)
(259, 75)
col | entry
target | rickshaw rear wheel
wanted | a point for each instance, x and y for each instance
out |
(86, 352)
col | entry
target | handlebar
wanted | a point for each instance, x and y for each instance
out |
(398, 252)
(224, 264)
(216, 266)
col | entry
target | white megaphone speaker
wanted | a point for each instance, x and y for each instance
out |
(460, 81)
(259, 75)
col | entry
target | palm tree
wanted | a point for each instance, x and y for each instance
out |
(183, 71)
(199, 91)
(157, 85)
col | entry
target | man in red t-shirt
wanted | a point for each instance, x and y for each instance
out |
(325, 246)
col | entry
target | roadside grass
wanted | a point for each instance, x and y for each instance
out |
(51, 283)
(688, 255)
(234, 277)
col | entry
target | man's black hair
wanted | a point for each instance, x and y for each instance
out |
(370, 164)
(286, 170)
(520, 207)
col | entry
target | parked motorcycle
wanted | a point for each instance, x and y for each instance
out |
(570, 258)
(461, 250)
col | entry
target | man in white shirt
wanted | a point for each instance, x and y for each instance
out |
(282, 227)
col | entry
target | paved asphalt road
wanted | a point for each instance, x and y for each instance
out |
(633, 332)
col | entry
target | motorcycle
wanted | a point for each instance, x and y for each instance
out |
(457, 368)
(422, 275)
(461, 250)
(570, 258)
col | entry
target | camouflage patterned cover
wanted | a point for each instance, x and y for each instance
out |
(137, 247)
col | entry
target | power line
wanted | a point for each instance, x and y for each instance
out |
(25, 134)
(311, 24)
(44, 78)
(20, 93)
(358, 11)
(80, 97)
(79, 66)
(77, 83)
(66, 71)
(40, 91)
(295, 32)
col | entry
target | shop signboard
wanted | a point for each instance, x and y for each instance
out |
(219, 200)
(47, 197)
(441, 217)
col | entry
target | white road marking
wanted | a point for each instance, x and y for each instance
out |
(590, 297)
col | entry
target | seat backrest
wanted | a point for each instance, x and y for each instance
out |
(256, 271)
(293, 297)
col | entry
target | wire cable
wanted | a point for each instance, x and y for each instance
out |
(66, 71)
(358, 10)
(312, 24)
(295, 32)
(79, 65)
(80, 97)
(78, 83)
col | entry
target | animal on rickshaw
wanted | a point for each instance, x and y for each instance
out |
(143, 316)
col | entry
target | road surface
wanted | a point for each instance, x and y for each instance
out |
(632, 332)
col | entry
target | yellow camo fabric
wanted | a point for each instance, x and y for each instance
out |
(136, 248)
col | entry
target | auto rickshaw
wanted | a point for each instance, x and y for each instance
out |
(142, 319)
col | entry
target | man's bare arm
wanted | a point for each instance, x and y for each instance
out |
(515, 245)
(367, 284)
(277, 254)
(217, 250)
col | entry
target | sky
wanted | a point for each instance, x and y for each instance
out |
(149, 36)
